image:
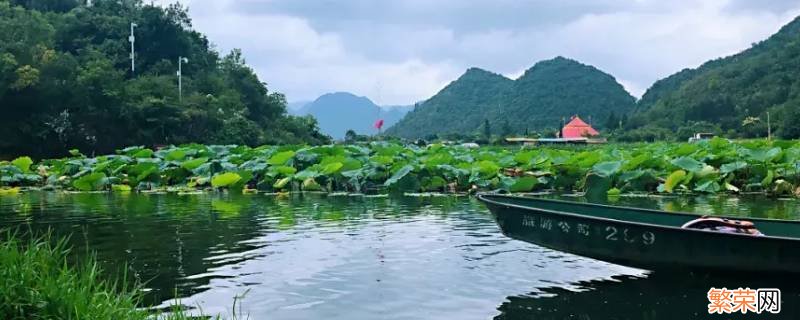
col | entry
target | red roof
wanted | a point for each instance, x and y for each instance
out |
(577, 129)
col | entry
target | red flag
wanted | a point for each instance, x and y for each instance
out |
(378, 124)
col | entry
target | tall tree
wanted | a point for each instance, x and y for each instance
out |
(65, 82)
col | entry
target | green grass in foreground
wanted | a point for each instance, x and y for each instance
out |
(37, 282)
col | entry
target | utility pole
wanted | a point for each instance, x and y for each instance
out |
(769, 127)
(181, 60)
(132, 40)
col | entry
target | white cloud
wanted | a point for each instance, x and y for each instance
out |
(397, 53)
(642, 47)
(303, 63)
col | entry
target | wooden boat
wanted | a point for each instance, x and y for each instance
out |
(646, 239)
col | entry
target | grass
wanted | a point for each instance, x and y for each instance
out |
(38, 282)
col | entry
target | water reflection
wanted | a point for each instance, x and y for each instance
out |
(158, 238)
(653, 297)
(315, 256)
(398, 258)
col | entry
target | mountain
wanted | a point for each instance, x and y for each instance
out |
(547, 93)
(341, 111)
(393, 114)
(297, 108)
(558, 88)
(731, 95)
(456, 108)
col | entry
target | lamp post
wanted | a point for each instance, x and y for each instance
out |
(181, 61)
(132, 40)
(769, 128)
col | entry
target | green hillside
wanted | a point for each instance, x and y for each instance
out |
(559, 88)
(731, 95)
(459, 107)
(538, 101)
(65, 82)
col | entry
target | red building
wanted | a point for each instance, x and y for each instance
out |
(578, 129)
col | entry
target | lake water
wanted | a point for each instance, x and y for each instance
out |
(324, 257)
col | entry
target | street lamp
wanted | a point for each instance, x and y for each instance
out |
(181, 61)
(132, 39)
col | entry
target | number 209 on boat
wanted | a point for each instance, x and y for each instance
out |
(610, 233)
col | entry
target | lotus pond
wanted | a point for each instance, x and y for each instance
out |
(708, 167)
(319, 256)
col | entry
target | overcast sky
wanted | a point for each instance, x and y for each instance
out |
(400, 52)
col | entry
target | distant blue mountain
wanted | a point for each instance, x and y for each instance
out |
(341, 111)
(297, 107)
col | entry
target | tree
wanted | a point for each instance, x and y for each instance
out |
(790, 124)
(487, 130)
(65, 82)
(47, 5)
(350, 136)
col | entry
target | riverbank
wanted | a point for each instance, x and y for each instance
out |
(38, 281)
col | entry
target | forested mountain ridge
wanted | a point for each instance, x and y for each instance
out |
(65, 82)
(545, 95)
(730, 95)
(458, 108)
(555, 89)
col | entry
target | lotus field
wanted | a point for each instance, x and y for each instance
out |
(713, 166)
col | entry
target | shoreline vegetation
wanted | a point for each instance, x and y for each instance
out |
(39, 281)
(67, 79)
(708, 167)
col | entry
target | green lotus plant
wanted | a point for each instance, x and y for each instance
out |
(713, 166)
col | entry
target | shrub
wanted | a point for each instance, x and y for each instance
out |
(38, 282)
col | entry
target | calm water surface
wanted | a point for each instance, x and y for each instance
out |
(318, 257)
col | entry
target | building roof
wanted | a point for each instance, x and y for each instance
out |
(577, 129)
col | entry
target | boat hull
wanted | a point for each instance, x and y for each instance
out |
(641, 245)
